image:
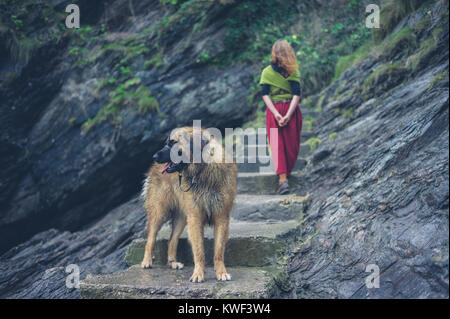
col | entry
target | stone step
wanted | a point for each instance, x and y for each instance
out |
(263, 149)
(261, 183)
(256, 141)
(250, 244)
(165, 283)
(269, 207)
(264, 165)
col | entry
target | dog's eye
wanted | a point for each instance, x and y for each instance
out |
(171, 142)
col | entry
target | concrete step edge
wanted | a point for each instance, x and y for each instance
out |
(164, 283)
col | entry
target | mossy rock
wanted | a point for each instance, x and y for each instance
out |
(384, 77)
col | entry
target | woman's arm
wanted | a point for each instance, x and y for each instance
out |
(271, 107)
(292, 107)
(267, 100)
(296, 91)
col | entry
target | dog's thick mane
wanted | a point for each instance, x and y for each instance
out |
(145, 187)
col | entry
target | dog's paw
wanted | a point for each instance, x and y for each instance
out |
(146, 264)
(224, 276)
(176, 265)
(198, 276)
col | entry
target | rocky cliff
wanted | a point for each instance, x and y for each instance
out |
(78, 131)
(84, 114)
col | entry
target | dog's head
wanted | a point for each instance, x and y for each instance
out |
(180, 148)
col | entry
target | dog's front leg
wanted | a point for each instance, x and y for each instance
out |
(155, 220)
(177, 229)
(195, 223)
(221, 227)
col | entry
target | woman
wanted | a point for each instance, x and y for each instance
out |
(280, 83)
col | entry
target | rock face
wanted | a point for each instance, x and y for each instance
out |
(51, 168)
(381, 196)
(36, 268)
(377, 182)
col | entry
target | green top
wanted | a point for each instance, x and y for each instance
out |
(277, 82)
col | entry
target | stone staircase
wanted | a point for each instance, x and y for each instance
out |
(260, 223)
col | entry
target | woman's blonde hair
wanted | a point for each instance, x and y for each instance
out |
(284, 56)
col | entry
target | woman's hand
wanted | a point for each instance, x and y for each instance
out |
(279, 119)
(285, 120)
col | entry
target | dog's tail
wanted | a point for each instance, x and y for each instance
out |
(145, 187)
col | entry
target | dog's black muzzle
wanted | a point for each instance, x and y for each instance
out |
(163, 156)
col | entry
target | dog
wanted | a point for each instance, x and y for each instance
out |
(202, 193)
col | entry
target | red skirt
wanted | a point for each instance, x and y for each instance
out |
(284, 141)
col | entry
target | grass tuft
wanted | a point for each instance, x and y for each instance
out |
(313, 143)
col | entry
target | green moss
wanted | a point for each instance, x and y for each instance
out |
(132, 82)
(391, 14)
(204, 57)
(422, 57)
(438, 78)
(403, 41)
(104, 113)
(147, 104)
(123, 97)
(423, 24)
(309, 122)
(332, 136)
(313, 143)
(82, 34)
(106, 82)
(347, 113)
(126, 50)
(72, 121)
(320, 103)
(155, 61)
(350, 60)
(308, 102)
(382, 77)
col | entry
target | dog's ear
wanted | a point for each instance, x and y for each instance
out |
(205, 141)
(208, 141)
(167, 141)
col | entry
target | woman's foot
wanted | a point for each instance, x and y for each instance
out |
(283, 188)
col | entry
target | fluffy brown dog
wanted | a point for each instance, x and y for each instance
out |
(204, 196)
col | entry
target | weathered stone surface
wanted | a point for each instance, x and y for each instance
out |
(36, 268)
(263, 164)
(251, 244)
(265, 183)
(167, 283)
(270, 207)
